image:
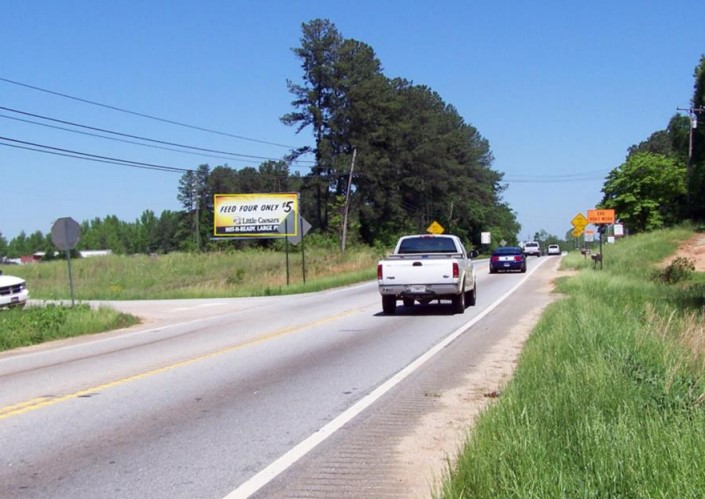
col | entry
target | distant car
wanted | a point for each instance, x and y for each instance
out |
(13, 291)
(532, 248)
(554, 249)
(507, 258)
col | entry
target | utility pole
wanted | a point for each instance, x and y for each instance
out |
(196, 199)
(347, 202)
(693, 116)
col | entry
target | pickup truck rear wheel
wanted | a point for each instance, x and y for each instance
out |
(459, 303)
(471, 296)
(389, 304)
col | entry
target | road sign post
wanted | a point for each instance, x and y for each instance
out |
(579, 223)
(65, 234)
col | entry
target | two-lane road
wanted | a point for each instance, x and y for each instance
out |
(241, 396)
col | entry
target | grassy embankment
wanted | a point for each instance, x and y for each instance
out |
(178, 275)
(608, 398)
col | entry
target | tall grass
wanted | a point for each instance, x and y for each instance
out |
(210, 275)
(207, 275)
(34, 325)
(607, 400)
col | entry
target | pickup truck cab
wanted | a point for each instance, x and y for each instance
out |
(427, 267)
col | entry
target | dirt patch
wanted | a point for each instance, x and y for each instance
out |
(693, 249)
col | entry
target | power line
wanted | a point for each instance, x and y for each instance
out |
(120, 134)
(143, 115)
(125, 141)
(567, 177)
(57, 151)
(539, 180)
(142, 144)
(31, 146)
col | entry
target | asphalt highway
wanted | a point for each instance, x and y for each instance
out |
(289, 396)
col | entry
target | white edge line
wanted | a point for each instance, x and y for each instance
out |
(277, 467)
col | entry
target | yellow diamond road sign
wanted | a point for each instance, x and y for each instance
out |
(579, 222)
(435, 228)
(576, 232)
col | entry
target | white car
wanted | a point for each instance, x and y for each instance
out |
(13, 291)
(554, 249)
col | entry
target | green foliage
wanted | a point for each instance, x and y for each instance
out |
(647, 192)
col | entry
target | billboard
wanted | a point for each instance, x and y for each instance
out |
(268, 215)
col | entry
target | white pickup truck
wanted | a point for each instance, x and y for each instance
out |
(427, 267)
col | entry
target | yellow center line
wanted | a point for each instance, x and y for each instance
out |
(45, 401)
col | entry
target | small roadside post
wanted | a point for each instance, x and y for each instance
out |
(65, 234)
(600, 218)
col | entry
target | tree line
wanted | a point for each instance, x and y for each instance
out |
(416, 160)
(662, 180)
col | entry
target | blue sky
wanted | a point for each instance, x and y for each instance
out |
(560, 89)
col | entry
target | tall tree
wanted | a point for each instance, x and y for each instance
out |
(148, 223)
(417, 160)
(646, 191)
(18, 246)
(314, 101)
(195, 196)
(673, 141)
(276, 178)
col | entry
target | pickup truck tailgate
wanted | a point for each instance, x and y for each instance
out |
(417, 271)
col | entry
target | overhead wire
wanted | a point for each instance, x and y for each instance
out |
(563, 177)
(143, 115)
(131, 136)
(124, 141)
(31, 146)
(58, 151)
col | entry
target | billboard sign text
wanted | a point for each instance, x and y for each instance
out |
(256, 215)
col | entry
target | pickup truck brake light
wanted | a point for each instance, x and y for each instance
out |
(379, 271)
(456, 270)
